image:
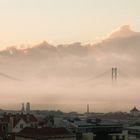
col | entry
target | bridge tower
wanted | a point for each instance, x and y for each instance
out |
(114, 74)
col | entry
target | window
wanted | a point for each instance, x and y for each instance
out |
(21, 126)
(4, 128)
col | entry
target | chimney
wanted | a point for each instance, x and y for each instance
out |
(11, 121)
(28, 108)
(22, 109)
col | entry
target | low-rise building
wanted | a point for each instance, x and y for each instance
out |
(3, 131)
(99, 130)
(16, 122)
(134, 132)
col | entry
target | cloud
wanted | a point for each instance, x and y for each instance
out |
(122, 31)
(74, 72)
(120, 48)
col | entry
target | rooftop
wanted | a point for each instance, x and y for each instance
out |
(134, 109)
(17, 117)
(45, 132)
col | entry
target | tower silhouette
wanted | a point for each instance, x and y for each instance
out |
(87, 108)
(22, 109)
(28, 108)
(114, 74)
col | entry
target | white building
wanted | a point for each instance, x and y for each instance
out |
(16, 122)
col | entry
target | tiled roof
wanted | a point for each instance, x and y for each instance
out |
(44, 132)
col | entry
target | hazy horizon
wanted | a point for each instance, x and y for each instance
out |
(70, 76)
(59, 54)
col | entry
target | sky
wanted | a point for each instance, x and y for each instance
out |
(73, 74)
(63, 21)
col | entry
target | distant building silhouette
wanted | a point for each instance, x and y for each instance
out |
(28, 108)
(135, 111)
(22, 109)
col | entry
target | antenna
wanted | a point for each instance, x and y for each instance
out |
(87, 108)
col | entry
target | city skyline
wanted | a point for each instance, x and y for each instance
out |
(69, 69)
